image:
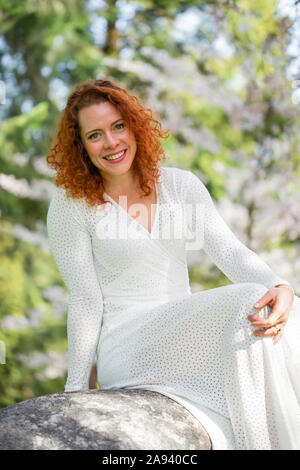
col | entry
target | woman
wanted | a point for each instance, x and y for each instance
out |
(130, 301)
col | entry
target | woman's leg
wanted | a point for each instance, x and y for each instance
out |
(261, 397)
(203, 347)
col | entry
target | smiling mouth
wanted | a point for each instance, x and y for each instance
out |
(115, 156)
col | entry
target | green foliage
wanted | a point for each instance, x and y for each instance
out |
(18, 133)
(25, 271)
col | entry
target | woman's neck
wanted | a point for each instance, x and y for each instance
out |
(121, 184)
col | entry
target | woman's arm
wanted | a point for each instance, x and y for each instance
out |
(71, 247)
(233, 258)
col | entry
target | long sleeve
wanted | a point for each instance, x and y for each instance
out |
(231, 256)
(72, 250)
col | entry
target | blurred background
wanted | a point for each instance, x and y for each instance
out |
(224, 78)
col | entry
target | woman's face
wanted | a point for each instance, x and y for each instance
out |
(104, 133)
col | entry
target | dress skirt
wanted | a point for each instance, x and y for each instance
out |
(200, 351)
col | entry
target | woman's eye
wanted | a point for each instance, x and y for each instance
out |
(91, 136)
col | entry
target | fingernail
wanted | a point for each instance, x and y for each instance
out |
(257, 304)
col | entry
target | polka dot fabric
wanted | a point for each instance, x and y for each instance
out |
(131, 308)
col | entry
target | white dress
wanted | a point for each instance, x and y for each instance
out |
(131, 307)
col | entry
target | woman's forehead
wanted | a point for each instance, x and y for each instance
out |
(98, 113)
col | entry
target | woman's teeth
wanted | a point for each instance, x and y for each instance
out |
(114, 157)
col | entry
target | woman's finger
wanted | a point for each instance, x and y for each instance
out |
(273, 331)
(265, 299)
(266, 332)
(270, 330)
(274, 318)
(278, 336)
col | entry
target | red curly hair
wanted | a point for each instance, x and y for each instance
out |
(74, 169)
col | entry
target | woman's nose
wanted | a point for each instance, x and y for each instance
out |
(111, 141)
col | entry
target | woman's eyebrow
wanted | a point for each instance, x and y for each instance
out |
(101, 129)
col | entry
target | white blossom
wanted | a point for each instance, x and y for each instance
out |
(54, 363)
(20, 159)
(19, 323)
(36, 189)
(41, 166)
(202, 137)
(29, 236)
(58, 298)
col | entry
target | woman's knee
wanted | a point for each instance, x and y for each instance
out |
(250, 292)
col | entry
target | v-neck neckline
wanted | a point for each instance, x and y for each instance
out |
(132, 218)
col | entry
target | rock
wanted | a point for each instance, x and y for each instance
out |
(101, 420)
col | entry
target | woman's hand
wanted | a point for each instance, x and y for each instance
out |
(280, 298)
